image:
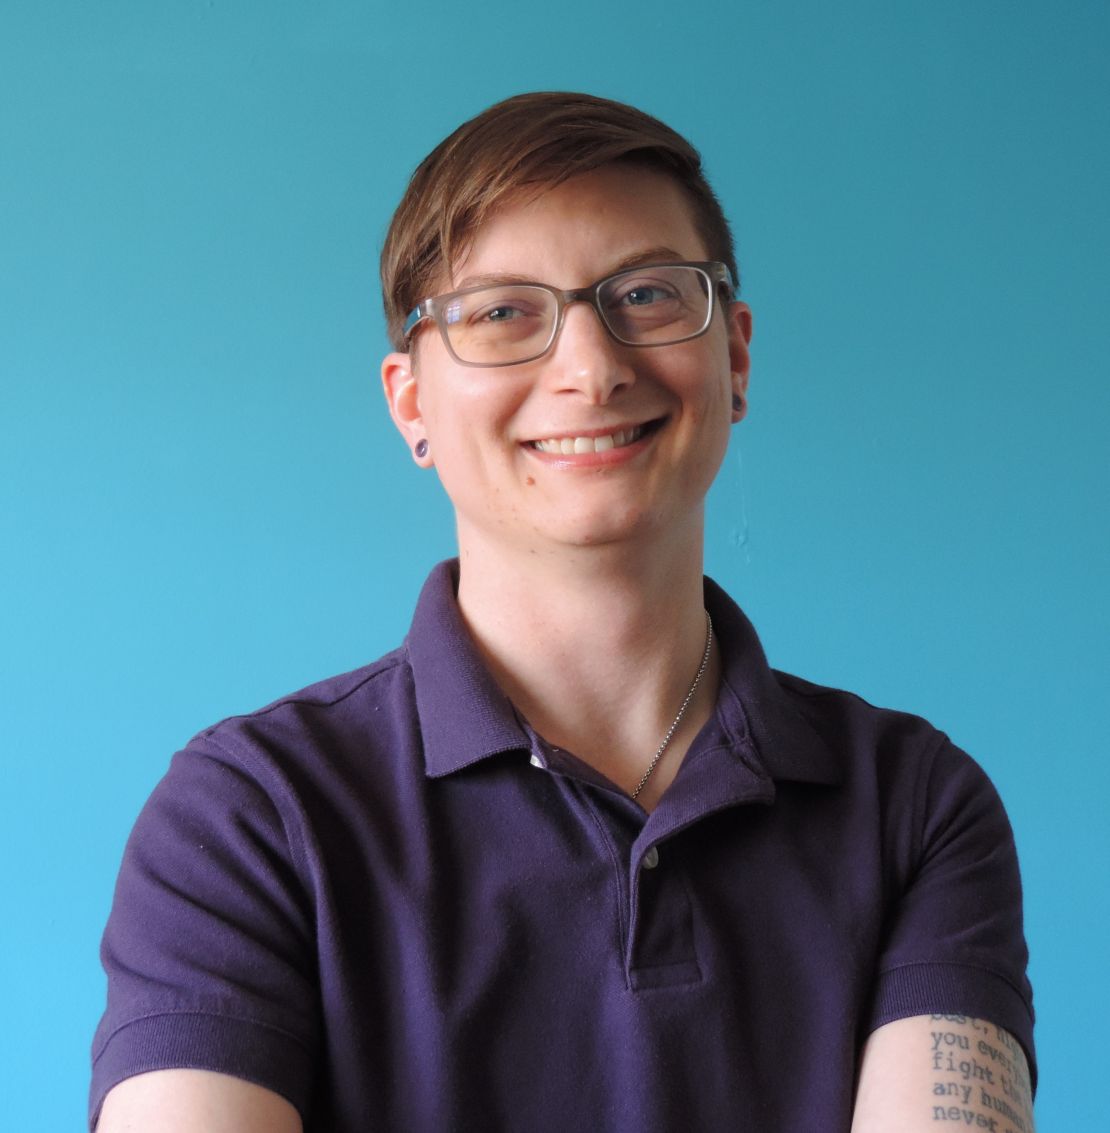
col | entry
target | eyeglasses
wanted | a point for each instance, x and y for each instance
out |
(509, 323)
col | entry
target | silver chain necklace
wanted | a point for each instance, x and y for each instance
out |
(685, 704)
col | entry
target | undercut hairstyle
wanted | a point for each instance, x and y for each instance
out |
(513, 152)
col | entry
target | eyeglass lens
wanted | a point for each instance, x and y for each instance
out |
(514, 322)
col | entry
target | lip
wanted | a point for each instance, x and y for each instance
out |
(612, 456)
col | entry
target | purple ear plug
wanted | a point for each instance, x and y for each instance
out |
(421, 449)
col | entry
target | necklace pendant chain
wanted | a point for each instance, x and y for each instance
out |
(685, 704)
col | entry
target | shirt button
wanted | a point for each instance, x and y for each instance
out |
(651, 858)
(535, 761)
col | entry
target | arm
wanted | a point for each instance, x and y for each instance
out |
(931, 1073)
(182, 1101)
(208, 951)
(954, 943)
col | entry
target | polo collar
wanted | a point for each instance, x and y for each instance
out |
(754, 708)
(465, 717)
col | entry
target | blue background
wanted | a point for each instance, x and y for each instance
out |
(205, 506)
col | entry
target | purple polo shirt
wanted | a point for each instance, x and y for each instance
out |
(387, 899)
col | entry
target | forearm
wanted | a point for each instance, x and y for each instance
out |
(933, 1071)
(183, 1101)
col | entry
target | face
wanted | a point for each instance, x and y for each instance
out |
(648, 426)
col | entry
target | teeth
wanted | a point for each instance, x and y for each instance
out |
(571, 446)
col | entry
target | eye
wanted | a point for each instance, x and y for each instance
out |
(642, 294)
(502, 314)
(502, 310)
(643, 299)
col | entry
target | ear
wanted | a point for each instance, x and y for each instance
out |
(739, 320)
(402, 395)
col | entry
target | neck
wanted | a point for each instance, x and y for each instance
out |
(596, 647)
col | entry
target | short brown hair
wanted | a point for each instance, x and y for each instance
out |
(524, 145)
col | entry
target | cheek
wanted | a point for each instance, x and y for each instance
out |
(470, 440)
(709, 394)
(479, 401)
(715, 418)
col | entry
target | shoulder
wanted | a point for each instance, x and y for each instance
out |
(918, 774)
(347, 697)
(808, 731)
(285, 774)
(318, 726)
(895, 750)
(841, 714)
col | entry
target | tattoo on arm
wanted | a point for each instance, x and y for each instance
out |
(979, 1076)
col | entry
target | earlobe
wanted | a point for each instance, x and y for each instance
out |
(739, 402)
(402, 395)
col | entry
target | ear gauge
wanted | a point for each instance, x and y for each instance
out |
(421, 449)
(737, 407)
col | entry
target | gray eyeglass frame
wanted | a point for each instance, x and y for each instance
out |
(717, 275)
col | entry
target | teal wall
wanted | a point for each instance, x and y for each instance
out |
(204, 505)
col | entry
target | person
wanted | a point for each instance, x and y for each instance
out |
(573, 856)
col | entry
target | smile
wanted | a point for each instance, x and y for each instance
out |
(580, 445)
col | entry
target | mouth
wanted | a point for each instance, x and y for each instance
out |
(580, 444)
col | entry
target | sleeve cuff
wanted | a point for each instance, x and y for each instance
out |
(254, 1051)
(954, 989)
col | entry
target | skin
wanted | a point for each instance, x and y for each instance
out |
(602, 564)
(581, 578)
(187, 1101)
(508, 499)
(931, 1073)
(599, 559)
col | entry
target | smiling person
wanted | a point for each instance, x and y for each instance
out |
(573, 856)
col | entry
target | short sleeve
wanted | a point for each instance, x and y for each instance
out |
(954, 941)
(208, 949)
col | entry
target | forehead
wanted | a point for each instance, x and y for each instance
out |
(570, 234)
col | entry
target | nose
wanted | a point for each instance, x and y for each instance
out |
(586, 359)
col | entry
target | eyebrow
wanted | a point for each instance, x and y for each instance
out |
(655, 255)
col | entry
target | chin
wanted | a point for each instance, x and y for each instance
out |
(606, 530)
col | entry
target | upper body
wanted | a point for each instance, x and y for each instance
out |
(576, 435)
(414, 912)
